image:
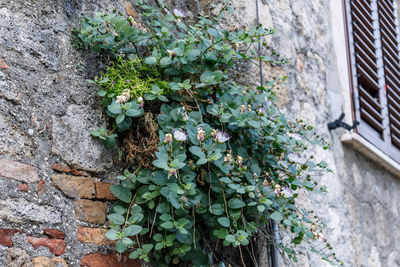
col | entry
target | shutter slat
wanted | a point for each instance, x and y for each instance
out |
(364, 9)
(370, 109)
(394, 92)
(395, 121)
(390, 40)
(395, 131)
(363, 76)
(389, 57)
(384, 21)
(366, 67)
(386, 7)
(362, 20)
(369, 98)
(371, 120)
(395, 141)
(392, 77)
(395, 105)
(366, 47)
(362, 29)
(370, 60)
(384, 10)
(393, 112)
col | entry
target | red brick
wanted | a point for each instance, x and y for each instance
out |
(56, 246)
(74, 186)
(23, 187)
(103, 191)
(90, 211)
(54, 233)
(61, 167)
(41, 187)
(6, 236)
(79, 173)
(18, 171)
(109, 260)
(94, 236)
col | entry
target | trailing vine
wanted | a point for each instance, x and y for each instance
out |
(210, 161)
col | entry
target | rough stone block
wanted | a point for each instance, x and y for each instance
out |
(90, 211)
(94, 236)
(17, 258)
(49, 262)
(56, 246)
(20, 210)
(109, 260)
(73, 143)
(18, 171)
(74, 186)
(103, 191)
(6, 236)
(54, 233)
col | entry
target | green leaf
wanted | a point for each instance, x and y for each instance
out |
(120, 247)
(162, 164)
(121, 193)
(109, 142)
(112, 234)
(236, 203)
(133, 113)
(230, 238)
(116, 218)
(167, 225)
(101, 92)
(127, 241)
(165, 61)
(114, 108)
(224, 221)
(217, 209)
(132, 230)
(261, 208)
(147, 248)
(158, 237)
(120, 118)
(196, 150)
(201, 161)
(150, 60)
(276, 216)
(134, 255)
(207, 77)
(165, 217)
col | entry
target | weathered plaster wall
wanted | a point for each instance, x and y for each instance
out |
(47, 110)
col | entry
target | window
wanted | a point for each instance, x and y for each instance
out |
(373, 48)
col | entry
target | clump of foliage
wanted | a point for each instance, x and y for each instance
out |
(227, 162)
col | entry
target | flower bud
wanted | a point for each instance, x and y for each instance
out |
(168, 138)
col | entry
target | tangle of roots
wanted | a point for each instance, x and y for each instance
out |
(141, 143)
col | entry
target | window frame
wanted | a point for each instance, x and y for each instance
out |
(384, 142)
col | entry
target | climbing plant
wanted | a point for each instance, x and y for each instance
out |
(210, 162)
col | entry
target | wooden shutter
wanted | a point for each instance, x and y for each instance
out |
(391, 59)
(375, 71)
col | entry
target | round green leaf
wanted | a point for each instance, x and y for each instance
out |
(224, 221)
(132, 230)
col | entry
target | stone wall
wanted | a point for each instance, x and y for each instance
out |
(54, 177)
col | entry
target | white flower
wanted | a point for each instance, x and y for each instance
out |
(124, 97)
(171, 53)
(179, 12)
(222, 137)
(180, 135)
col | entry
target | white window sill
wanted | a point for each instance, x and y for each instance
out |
(369, 150)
